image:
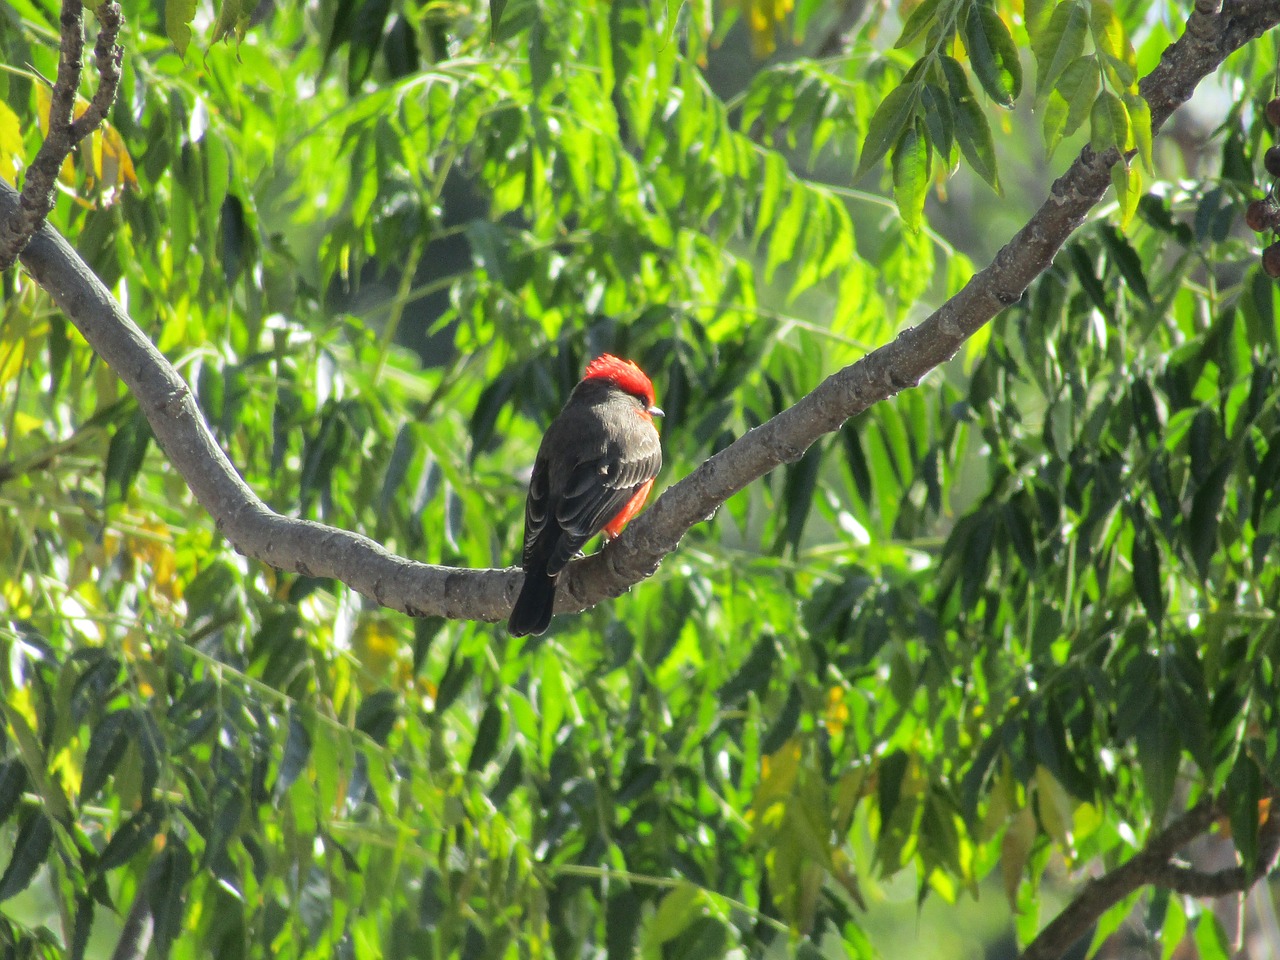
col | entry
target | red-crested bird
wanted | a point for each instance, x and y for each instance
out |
(593, 472)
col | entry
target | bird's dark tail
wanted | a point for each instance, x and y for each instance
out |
(532, 612)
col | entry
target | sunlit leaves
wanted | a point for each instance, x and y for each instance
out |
(911, 163)
(973, 133)
(994, 55)
(1058, 44)
(887, 125)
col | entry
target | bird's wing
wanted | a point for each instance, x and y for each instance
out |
(597, 490)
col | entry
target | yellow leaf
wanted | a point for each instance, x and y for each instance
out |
(1015, 851)
(12, 156)
(1056, 809)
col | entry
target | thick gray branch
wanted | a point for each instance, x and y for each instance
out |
(415, 588)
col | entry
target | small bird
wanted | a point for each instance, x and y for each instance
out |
(593, 472)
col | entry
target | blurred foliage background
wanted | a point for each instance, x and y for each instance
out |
(985, 636)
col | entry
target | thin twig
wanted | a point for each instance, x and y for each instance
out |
(1102, 893)
(1155, 866)
(64, 131)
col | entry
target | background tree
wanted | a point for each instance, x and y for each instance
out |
(1010, 628)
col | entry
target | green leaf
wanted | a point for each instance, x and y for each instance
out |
(911, 163)
(178, 15)
(166, 892)
(888, 124)
(994, 55)
(1061, 42)
(30, 848)
(297, 751)
(106, 748)
(1126, 178)
(1245, 792)
(1202, 524)
(1159, 753)
(785, 723)
(1147, 575)
(1126, 261)
(1108, 123)
(131, 837)
(1112, 44)
(753, 675)
(488, 733)
(1174, 928)
(125, 455)
(1140, 126)
(1210, 939)
(1070, 101)
(496, 8)
(622, 920)
(922, 17)
(972, 131)
(939, 121)
(13, 780)
(1036, 16)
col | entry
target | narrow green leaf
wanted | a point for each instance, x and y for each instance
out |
(1159, 752)
(622, 920)
(166, 891)
(1112, 43)
(178, 15)
(753, 675)
(1126, 261)
(887, 125)
(1140, 126)
(1108, 123)
(1147, 580)
(785, 724)
(1211, 940)
(496, 8)
(13, 780)
(1174, 928)
(1070, 101)
(30, 848)
(1244, 797)
(922, 17)
(972, 131)
(125, 454)
(1127, 180)
(107, 744)
(1061, 41)
(1036, 16)
(297, 751)
(939, 121)
(911, 165)
(130, 838)
(1206, 509)
(488, 733)
(994, 55)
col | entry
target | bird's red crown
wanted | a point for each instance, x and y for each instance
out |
(623, 373)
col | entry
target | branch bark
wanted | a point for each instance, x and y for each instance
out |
(1154, 866)
(421, 589)
(65, 131)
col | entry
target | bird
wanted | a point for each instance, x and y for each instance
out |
(593, 472)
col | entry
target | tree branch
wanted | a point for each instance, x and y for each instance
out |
(420, 589)
(17, 227)
(1154, 866)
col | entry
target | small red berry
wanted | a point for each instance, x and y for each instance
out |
(1262, 215)
(1271, 160)
(1271, 261)
(1273, 111)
